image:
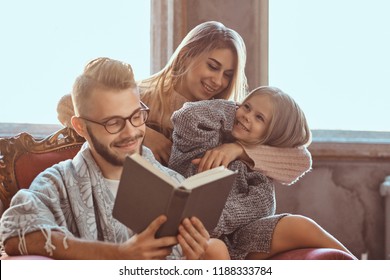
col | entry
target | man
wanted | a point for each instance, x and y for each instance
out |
(67, 211)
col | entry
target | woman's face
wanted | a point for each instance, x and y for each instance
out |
(252, 119)
(208, 75)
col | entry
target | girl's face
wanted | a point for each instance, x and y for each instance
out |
(208, 75)
(252, 119)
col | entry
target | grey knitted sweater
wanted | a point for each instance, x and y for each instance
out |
(248, 219)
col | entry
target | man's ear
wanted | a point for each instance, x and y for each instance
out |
(79, 126)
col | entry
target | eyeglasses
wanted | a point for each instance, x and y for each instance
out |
(117, 124)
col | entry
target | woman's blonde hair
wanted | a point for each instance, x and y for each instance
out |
(288, 126)
(100, 73)
(156, 90)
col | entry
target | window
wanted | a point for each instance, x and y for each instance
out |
(333, 57)
(45, 45)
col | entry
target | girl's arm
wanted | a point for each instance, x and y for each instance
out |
(224, 154)
(198, 127)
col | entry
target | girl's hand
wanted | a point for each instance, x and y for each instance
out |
(221, 155)
(159, 144)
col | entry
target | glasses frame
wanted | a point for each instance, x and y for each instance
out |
(143, 108)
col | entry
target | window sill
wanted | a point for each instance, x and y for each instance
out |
(36, 130)
(326, 145)
(350, 145)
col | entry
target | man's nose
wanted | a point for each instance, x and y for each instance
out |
(129, 127)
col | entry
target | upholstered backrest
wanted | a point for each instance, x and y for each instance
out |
(23, 157)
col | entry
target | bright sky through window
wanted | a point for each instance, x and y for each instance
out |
(333, 57)
(45, 45)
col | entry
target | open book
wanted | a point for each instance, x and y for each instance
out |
(145, 193)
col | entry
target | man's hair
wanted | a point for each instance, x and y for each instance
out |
(288, 126)
(101, 73)
(157, 90)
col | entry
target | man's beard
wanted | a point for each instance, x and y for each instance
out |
(105, 153)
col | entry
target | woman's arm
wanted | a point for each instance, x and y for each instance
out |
(284, 165)
(159, 144)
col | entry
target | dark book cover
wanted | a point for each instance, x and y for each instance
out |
(145, 193)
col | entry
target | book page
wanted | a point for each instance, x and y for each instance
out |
(147, 165)
(206, 177)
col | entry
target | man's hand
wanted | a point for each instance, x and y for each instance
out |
(159, 144)
(221, 155)
(193, 238)
(145, 246)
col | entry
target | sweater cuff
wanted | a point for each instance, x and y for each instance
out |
(284, 165)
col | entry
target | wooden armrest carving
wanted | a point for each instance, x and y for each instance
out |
(14, 147)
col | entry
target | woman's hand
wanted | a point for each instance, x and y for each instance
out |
(159, 144)
(221, 155)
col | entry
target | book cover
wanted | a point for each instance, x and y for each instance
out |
(145, 193)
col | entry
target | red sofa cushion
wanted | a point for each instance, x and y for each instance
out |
(29, 165)
(313, 254)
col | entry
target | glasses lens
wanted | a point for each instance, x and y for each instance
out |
(139, 118)
(115, 125)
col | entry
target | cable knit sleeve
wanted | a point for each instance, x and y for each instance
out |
(198, 127)
(284, 165)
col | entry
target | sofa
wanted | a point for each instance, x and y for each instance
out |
(23, 157)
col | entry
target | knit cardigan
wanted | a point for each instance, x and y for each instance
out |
(248, 219)
(71, 197)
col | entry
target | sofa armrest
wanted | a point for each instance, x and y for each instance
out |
(313, 254)
(297, 254)
(24, 257)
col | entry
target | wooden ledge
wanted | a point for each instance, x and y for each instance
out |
(350, 145)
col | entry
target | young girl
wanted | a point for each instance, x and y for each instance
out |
(208, 63)
(248, 224)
